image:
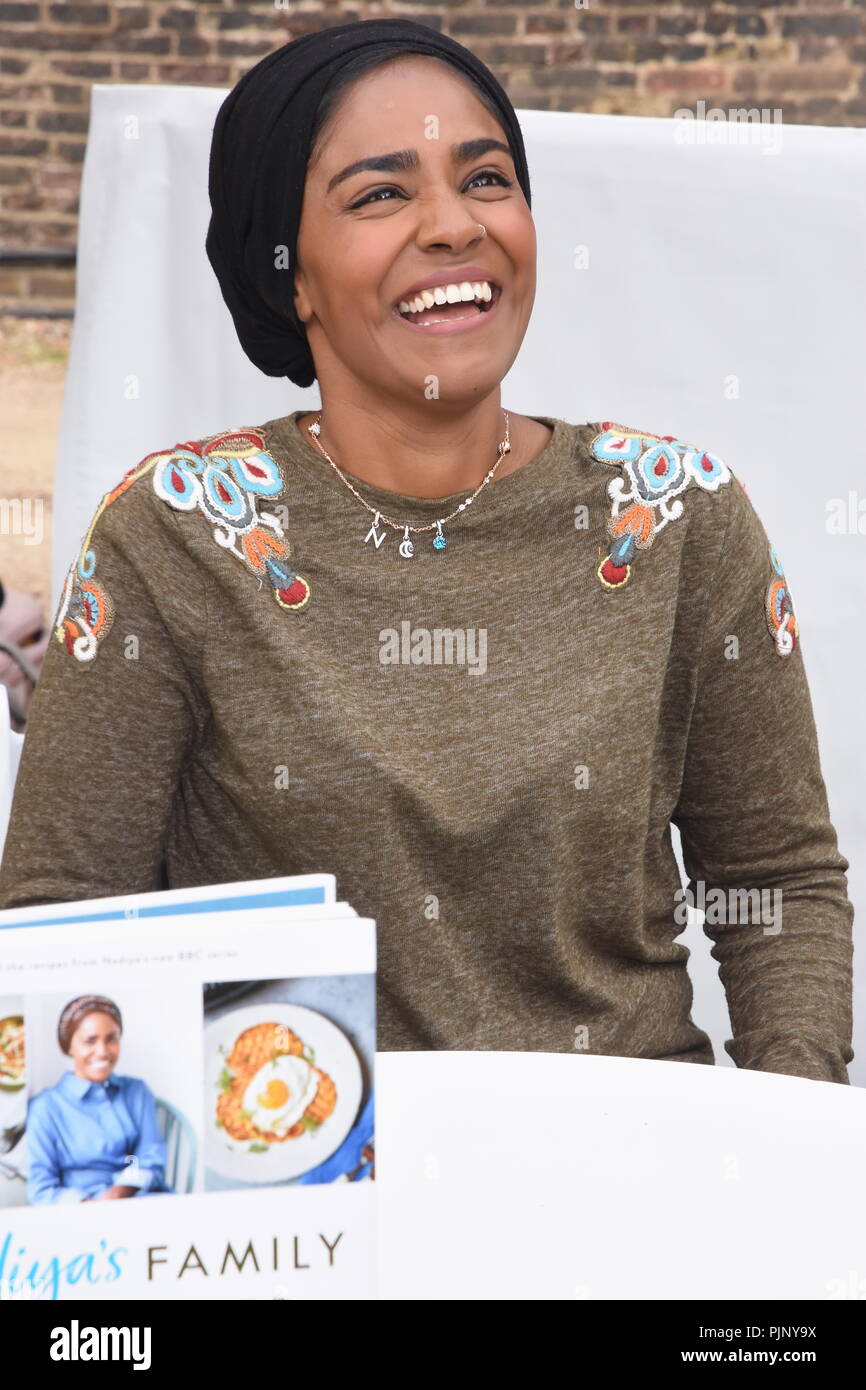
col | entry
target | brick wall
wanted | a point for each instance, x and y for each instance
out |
(631, 57)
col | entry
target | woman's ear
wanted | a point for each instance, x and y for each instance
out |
(303, 307)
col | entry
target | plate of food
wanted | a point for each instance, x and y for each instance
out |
(12, 1057)
(283, 1087)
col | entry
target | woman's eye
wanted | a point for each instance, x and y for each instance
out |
(492, 174)
(377, 192)
(370, 196)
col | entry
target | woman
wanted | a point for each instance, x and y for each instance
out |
(474, 663)
(93, 1136)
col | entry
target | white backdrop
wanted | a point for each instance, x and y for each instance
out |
(715, 292)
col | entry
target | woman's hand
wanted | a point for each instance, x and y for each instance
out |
(112, 1193)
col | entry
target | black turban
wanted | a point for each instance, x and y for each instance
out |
(258, 163)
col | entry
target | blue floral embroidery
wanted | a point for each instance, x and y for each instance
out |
(224, 478)
(779, 607)
(655, 470)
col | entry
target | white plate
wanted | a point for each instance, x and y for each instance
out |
(335, 1055)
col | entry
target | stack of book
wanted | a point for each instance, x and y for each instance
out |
(187, 1095)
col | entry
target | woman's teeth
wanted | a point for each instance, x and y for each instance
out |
(464, 291)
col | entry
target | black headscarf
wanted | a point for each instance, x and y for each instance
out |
(258, 164)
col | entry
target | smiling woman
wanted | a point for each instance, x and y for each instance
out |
(412, 374)
(310, 593)
(94, 1135)
(359, 244)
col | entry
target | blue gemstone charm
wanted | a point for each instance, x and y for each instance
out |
(439, 541)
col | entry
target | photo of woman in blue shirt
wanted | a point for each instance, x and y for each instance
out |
(93, 1135)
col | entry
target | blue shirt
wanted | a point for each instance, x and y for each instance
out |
(86, 1136)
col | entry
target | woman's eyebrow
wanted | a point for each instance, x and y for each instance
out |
(400, 160)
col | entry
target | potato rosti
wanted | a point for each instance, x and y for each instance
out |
(270, 1091)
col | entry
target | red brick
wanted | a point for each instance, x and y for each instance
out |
(79, 14)
(614, 50)
(17, 92)
(30, 200)
(574, 51)
(50, 286)
(135, 43)
(71, 122)
(177, 19)
(515, 54)
(81, 67)
(717, 23)
(568, 77)
(240, 18)
(676, 25)
(65, 94)
(636, 24)
(650, 51)
(59, 177)
(544, 23)
(677, 79)
(794, 77)
(60, 233)
(195, 74)
(130, 16)
(833, 25)
(19, 14)
(753, 24)
(481, 24)
(591, 23)
(194, 46)
(23, 145)
(73, 153)
(251, 49)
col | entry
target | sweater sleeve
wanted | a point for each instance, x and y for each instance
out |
(753, 815)
(115, 712)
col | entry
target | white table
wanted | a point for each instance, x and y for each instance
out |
(511, 1175)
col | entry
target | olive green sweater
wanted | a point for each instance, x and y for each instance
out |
(487, 743)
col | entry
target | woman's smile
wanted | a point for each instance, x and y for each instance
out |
(474, 317)
(96, 1031)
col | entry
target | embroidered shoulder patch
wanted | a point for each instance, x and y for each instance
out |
(655, 470)
(779, 608)
(86, 611)
(225, 478)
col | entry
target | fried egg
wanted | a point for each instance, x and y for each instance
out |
(280, 1092)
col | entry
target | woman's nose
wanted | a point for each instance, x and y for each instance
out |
(445, 221)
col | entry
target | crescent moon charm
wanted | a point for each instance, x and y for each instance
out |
(407, 549)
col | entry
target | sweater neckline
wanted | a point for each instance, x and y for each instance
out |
(501, 493)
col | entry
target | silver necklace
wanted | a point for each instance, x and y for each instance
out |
(407, 549)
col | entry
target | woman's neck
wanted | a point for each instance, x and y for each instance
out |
(429, 454)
